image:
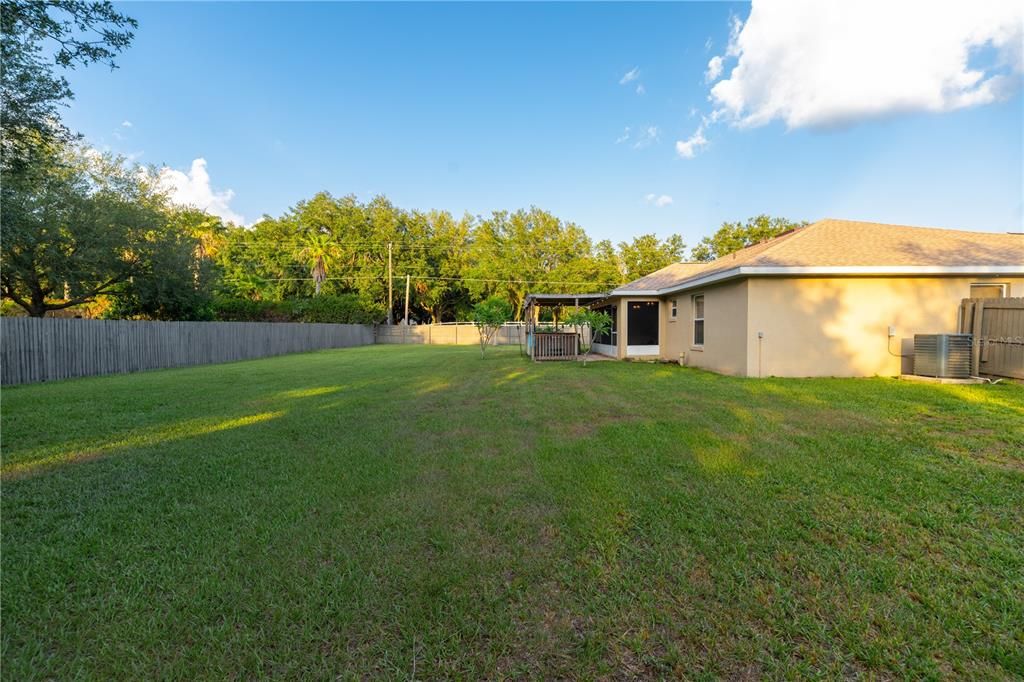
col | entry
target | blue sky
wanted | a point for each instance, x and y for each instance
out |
(475, 107)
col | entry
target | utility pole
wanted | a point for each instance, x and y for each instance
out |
(390, 317)
(407, 300)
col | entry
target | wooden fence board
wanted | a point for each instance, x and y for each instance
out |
(998, 328)
(49, 349)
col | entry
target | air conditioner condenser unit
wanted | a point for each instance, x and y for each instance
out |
(947, 356)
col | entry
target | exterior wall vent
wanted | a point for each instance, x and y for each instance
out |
(942, 355)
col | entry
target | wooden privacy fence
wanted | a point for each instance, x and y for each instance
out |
(33, 349)
(997, 325)
(452, 334)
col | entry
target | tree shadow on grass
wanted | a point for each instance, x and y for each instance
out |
(28, 464)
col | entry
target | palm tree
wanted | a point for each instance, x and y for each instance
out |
(319, 251)
(209, 240)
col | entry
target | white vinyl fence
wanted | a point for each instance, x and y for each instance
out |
(33, 349)
(449, 334)
(461, 334)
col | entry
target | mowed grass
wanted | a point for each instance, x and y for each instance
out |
(405, 512)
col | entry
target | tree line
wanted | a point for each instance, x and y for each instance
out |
(90, 233)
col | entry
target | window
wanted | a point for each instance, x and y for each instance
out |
(675, 310)
(988, 291)
(698, 320)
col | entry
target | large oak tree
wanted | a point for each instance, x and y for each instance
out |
(77, 225)
(732, 237)
(37, 41)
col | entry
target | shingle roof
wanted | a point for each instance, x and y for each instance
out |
(667, 276)
(849, 243)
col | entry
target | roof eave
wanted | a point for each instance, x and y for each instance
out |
(862, 270)
(634, 292)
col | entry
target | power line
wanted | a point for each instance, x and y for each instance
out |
(424, 277)
(509, 281)
(365, 245)
(362, 244)
(375, 241)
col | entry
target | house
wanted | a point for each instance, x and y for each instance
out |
(835, 298)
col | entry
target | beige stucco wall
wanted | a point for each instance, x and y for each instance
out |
(839, 326)
(812, 326)
(725, 329)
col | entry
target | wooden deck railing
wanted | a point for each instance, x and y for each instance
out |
(555, 346)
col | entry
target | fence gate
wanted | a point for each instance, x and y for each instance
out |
(998, 328)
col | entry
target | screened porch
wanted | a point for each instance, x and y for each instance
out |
(552, 340)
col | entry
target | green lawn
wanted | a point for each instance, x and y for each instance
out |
(417, 511)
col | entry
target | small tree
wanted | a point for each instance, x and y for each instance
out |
(488, 316)
(599, 324)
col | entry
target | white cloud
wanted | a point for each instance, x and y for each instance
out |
(659, 201)
(813, 63)
(194, 189)
(630, 76)
(708, 44)
(687, 149)
(714, 69)
(640, 89)
(735, 26)
(126, 124)
(646, 137)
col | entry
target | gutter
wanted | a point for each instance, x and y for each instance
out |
(863, 270)
(635, 292)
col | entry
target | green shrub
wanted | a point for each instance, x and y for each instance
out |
(342, 309)
(11, 309)
(246, 310)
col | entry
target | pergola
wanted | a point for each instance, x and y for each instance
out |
(553, 343)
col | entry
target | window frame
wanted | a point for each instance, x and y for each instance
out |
(632, 326)
(1002, 286)
(695, 320)
(673, 310)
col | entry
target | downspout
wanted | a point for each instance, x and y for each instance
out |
(760, 370)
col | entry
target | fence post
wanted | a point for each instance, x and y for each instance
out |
(979, 312)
